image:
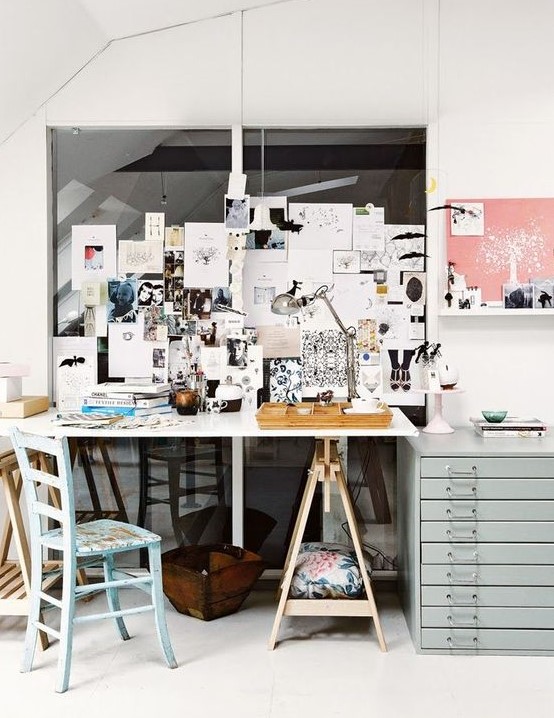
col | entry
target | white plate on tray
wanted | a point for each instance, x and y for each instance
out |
(351, 410)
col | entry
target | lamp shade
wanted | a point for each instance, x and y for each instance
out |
(262, 220)
(285, 304)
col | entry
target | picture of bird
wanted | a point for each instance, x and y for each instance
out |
(456, 208)
(412, 255)
(73, 362)
(408, 235)
(289, 226)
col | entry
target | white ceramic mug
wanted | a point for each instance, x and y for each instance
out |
(215, 406)
(367, 404)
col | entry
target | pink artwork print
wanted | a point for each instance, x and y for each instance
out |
(517, 244)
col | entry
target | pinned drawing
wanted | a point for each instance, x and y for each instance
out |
(324, 225)
(154, 226)
(140, 257)
(205, 256)
(404, 249)
(93, 253)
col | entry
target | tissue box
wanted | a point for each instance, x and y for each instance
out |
(10, 388)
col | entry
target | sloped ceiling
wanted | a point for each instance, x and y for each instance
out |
(44, 44)
(129, 17)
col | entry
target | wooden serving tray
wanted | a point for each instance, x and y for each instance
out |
(276, 415)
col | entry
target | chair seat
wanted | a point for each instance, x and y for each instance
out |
(102, 535)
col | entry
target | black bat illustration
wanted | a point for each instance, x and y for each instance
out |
(412, 255)
(73, 362)
(289, 226)
(408, 235)
(455, 207)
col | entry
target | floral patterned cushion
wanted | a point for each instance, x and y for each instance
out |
(326, 570)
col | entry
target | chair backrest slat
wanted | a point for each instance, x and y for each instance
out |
(41, 477)
(42, 509)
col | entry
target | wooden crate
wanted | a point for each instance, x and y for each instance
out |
(276, 415)
(209, 581)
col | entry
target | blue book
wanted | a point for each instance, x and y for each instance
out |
(126, 410)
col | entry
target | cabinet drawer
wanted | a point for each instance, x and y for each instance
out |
(538, 489)
(463, 510)
(487, 596)
(459, 531)
(501, 553)
(486, 575)
(487, 640)
(461, 467)
(479, 617)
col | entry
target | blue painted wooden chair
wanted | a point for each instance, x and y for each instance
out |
(81, 545)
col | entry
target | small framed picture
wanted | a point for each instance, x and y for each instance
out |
(237, 213)
(518, 296)
(346, 261)
(543, 293)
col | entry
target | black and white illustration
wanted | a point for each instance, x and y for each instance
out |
(205, 255)
(268, 216)
(405, 253)
(323, 361)
(413, 284)
(346, 261)
(140, 257)
(467, 219)
(285, 380)
(324, 226)
(154, 226)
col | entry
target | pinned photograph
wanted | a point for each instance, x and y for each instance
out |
(144, 293)
(122, 301)
(174, 236)
(221, 299)
(237, 352)
(237, 213)
(197, 303)
(518, 296)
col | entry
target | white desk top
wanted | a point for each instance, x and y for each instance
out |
(240, 423)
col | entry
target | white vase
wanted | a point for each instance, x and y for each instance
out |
(448, 374)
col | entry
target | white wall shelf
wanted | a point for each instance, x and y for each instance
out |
(495, 312)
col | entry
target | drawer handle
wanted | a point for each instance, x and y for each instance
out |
(453, 559)
(472, 495)
(453, 473)
(474, 578)
(454, 537)
(472, 515)
(450, 642)
(458, 624)
(473, 601)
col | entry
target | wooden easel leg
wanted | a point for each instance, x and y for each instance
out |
(294, 548)
(353, 526)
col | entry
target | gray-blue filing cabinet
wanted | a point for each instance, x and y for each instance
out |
(476, 543)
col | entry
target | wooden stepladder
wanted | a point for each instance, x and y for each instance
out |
(326, 468)
(15, 576)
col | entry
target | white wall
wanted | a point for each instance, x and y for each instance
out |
(478, 74)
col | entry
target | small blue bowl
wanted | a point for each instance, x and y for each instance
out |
(494, 417)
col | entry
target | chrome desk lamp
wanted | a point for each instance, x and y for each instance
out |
(288, 303)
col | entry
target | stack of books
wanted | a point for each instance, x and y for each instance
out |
(514, 426)
(126, 399)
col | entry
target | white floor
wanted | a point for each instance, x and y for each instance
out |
(322, 667)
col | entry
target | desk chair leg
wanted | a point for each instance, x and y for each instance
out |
(34, 609)
(66, 623)
(290, 563)
(112, 596)
(155, 560)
